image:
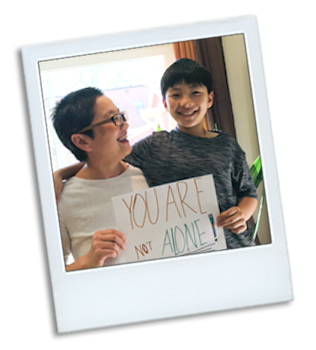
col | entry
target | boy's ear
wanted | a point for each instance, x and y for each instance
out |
(81, 141)
(165, 104)
(210, 99)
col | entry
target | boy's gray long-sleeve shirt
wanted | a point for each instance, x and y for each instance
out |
(166, 157)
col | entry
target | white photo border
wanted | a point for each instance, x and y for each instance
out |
(165, 288)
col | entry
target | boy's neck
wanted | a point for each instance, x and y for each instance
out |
(195, 131)
(198, 131)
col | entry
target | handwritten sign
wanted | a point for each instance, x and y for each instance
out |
(169, 220)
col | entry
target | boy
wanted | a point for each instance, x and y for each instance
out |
(191, 151)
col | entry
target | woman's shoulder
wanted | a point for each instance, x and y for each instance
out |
(132, 170)
(136, 177)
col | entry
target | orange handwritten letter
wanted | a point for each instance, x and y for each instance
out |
(182, 198)
(130, 211)
(147, 208)
(172, 202)
(145, 211)
(198, 196)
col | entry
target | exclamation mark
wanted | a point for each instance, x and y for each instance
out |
(213, 225)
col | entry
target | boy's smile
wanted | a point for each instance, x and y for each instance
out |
(188, 105)
(186, 111)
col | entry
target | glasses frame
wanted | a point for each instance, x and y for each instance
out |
(123, 115)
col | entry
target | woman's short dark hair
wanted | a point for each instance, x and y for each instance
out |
(187, 71)
(74, 112)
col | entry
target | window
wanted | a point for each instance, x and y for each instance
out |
(138, 106)
(130, 78)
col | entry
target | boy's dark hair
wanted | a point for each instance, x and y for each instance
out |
(74, 112)
(187, 71)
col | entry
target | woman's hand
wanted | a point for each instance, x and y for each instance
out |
(105, 244)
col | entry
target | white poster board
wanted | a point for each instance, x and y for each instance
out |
(169, 220)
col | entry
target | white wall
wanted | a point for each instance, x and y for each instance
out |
(245, 125)
(109, 57)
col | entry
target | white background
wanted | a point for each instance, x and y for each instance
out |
(120, 20)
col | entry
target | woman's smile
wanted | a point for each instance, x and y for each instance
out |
(123, 138)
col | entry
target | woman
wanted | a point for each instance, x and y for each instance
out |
(91, 127)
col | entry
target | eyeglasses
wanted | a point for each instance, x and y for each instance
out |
(117, 119)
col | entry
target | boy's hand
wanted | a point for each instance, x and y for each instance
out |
(105, 244)
(232, 219)
(65, 174)
(58, 184)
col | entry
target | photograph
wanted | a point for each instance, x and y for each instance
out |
(152, 168)
(132, 81)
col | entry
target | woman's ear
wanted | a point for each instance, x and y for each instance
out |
(81, 141)
(210, 99)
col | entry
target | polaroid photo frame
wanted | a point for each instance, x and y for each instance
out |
(173, 287)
